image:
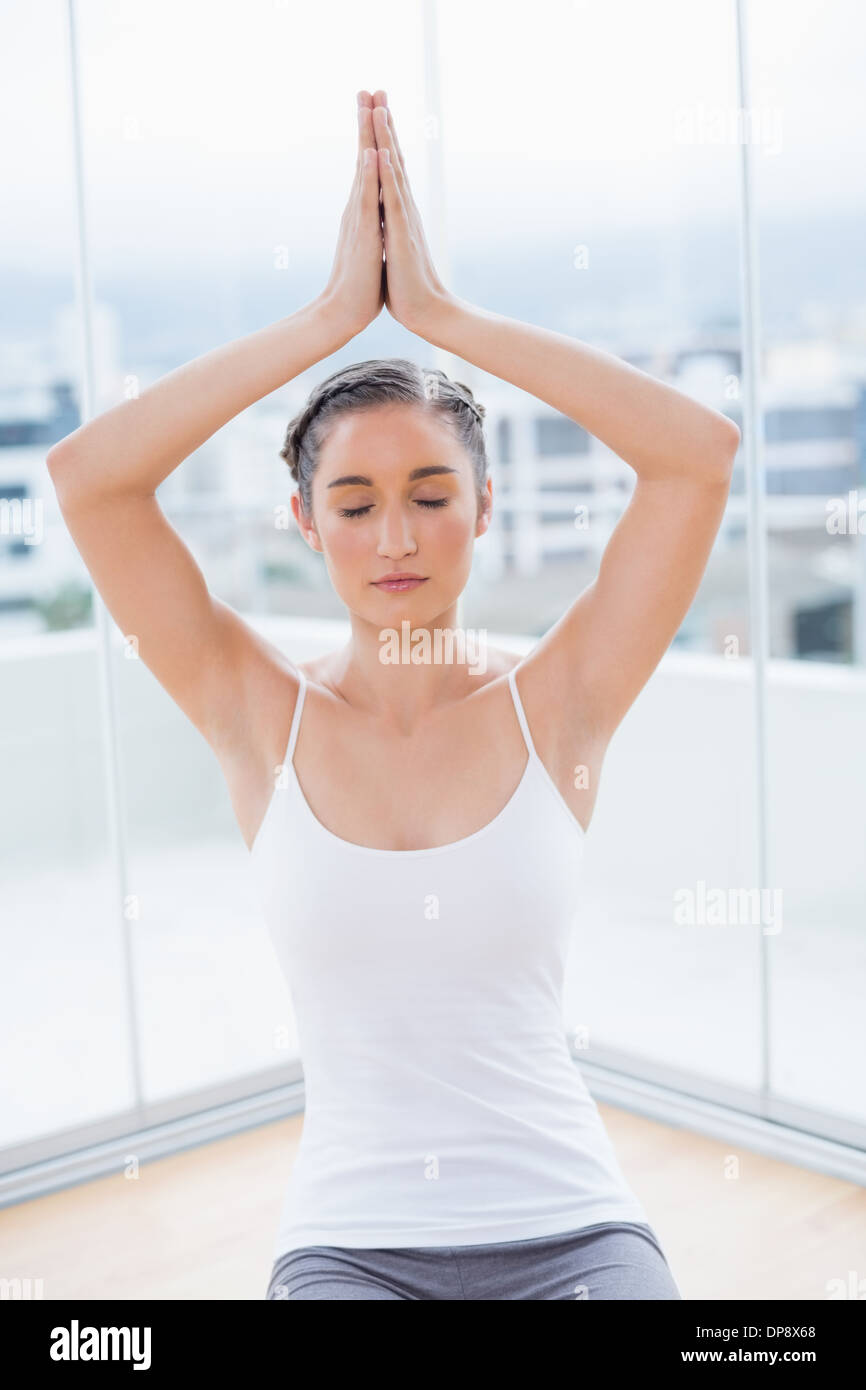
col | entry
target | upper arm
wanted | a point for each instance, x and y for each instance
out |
(203, 654)
(591, 665)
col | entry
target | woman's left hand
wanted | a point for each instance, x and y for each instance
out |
(413, 289)
(356, 287)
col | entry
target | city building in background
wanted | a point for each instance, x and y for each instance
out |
(558, 494)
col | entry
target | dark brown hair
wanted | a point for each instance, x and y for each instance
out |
(375, 382)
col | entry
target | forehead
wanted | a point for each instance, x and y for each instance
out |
(397, 436)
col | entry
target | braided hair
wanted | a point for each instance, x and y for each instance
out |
(377, 381)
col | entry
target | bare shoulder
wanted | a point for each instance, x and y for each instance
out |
(253, 750)
(566, 737)
(316, 669)
(552, 695)
(500, 662)
(254, 742)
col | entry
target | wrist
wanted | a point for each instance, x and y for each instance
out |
(329, 310)
(441, 313)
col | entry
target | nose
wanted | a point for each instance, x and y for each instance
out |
(395, 534)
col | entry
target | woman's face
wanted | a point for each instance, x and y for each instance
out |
(372, 518)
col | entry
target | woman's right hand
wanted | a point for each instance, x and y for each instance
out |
(356, 288)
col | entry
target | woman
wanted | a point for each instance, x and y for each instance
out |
(418, 854)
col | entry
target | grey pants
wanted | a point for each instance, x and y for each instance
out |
(615, 1259)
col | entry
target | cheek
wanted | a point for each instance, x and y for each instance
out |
(453, 531)
(345, 543)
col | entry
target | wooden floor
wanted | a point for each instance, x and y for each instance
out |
(200, 1224)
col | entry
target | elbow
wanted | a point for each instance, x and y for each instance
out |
(728, 445)
(54, 457)
(58, 462)
(735, 436)
(52, 463)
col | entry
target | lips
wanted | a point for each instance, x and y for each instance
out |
(399, 583)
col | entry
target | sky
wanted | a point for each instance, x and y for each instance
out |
(212, 127)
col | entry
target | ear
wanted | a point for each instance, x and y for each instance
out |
(305, 525)
(485, 514)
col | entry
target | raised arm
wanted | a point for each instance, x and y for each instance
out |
(583, 675)
(106, 474)
(594, 661)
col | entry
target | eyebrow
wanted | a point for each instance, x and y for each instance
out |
(361, 480)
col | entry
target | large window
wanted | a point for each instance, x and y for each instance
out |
(581, 169)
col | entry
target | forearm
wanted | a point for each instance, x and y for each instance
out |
(655, 428)
(136, 444)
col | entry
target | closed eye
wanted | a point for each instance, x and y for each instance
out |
(422, 502)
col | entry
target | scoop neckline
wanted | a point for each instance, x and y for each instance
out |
(407, 853)
(532, 758)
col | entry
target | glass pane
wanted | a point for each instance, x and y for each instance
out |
(64, 1030)
(811, 199)
(215, 211)
(593, 199)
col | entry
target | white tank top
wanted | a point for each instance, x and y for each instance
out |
(442, 1106)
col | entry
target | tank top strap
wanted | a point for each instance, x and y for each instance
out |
(518, 706)
(296, 717)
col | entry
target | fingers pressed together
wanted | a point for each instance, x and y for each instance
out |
(380, 132)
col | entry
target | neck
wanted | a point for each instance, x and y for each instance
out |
(405, 672)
